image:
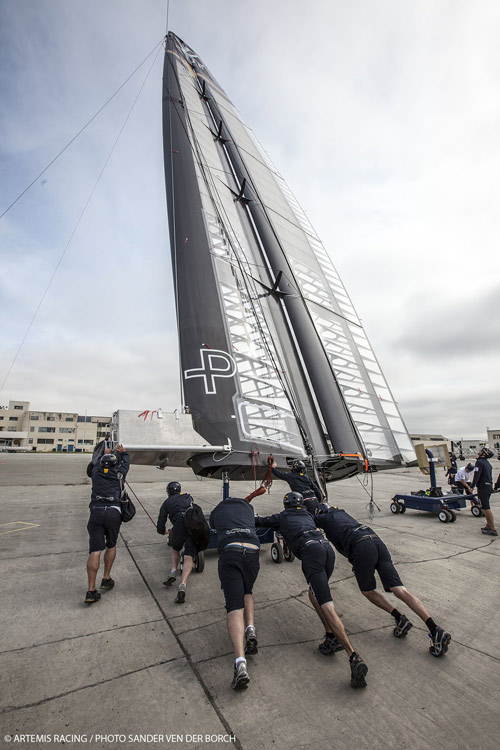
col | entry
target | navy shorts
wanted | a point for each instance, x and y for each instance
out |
(318, 561)
(483, 495)
(103, 527)
(180, 538)
(238, 570)
(370, 555)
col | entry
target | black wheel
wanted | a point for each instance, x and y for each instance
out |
(288, 555)
(453, 516)
(476, 511)
(276, 553)
(394, 507)
(443, 516)
(402, 507)
(200, 562)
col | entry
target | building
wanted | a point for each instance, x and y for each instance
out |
(45, 431)
(494, 439)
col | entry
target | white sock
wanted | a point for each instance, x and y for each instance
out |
(239, 659)
(173, 572)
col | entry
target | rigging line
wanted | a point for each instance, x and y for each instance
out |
(79, 132)
(77, 225)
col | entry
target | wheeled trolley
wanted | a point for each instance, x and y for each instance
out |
(444, 506)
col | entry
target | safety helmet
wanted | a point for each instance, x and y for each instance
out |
(298, 466)
(173, 488)
(469, 467)
(293, 499)
(486, 453)
(108, 460)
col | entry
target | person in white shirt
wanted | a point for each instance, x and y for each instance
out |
(463, 480)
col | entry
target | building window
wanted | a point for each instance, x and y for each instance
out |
(85, 442)
(13, 419)
(18, 406)
(34, 417)
(30, 441)
(47, 429)
(2, 418)
(67, 429)
(495, 437)
(45, 441)
(32, 429)
(51, 419)
(69, 419)
(84, 419)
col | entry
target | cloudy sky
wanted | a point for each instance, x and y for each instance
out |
(384, 118)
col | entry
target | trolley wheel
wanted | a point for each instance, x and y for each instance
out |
(477, 511)
(443, 516)
(276, 553)
(394, 507)
(200, 562)
(288, 555)
(402, 507)
(453, 516)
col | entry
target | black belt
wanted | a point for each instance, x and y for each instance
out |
(239, 548)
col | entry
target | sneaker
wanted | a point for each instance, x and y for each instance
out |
(485, 528)
(181, 594)
(170, 580)
(107, 584)
(491, 532)
(250, 640)
(240, 678)
(330, 645)
(403, 626)
(358, 671)
(440, 642)
(92, 596)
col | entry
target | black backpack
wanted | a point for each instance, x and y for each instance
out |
(197, 527)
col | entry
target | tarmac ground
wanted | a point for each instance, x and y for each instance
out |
(137, 670)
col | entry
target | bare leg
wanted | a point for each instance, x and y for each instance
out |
(249, 610)
(319, 611)
(92, 568)
(187, 567)
(175, 558)
(109, 558)
(334, 625)
(236, 630)
(488, 514)
(402, 593)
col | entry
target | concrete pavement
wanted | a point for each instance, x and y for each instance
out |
(137, 670)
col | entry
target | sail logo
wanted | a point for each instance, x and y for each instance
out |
(214, 364)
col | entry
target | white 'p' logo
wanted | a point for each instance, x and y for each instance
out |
(214, 364)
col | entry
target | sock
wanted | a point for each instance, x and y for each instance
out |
(239, 660)
(353, 656)
(431, 625)
(330, 635)
(396, 614)
(182, 586)
(173, 572)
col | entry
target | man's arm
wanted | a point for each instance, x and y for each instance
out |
(162, 518)
(123, 460)
(272, 521)
(280, 474)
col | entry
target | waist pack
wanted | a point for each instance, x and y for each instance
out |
(196, 526)
(126, 504)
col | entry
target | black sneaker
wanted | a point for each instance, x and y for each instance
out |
(440, 642)
(170, 580)
(107, 584)
(358, 671)
(250, 641)
(240, 678)
(92, 596)
(403, 626)
(330, 645)
(491, 532)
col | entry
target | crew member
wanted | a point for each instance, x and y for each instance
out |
(174, 508)
(238, 544)
(105, 517)
(367, 553)
(483, 480)
(463, 478)
(307, 543)
(298, 480)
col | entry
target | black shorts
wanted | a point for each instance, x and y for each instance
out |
(103, 527)
(370, 555)
(238, 569)
(318, 561)
(483, 495)
(180, 538)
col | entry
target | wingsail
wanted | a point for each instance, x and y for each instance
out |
(274, 358)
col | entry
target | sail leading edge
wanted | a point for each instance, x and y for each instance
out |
(273, 355)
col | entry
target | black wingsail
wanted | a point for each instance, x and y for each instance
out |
(273, 355)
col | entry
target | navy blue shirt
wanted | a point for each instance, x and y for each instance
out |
(296, 526)
(234, 521)
(342, 530)
(173, 508)
(299, 482)
(482, 473)
(106, 488)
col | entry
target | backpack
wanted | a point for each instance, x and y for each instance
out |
(197, 527)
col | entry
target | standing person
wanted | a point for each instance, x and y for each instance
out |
(452, 469)
(298, 480)
(238, 544)
(483, 480)
(174, 508)
(463, 479)
(307, 543)
(367, 553)
(105, 517)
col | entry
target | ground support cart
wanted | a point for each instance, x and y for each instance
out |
(444, 506)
